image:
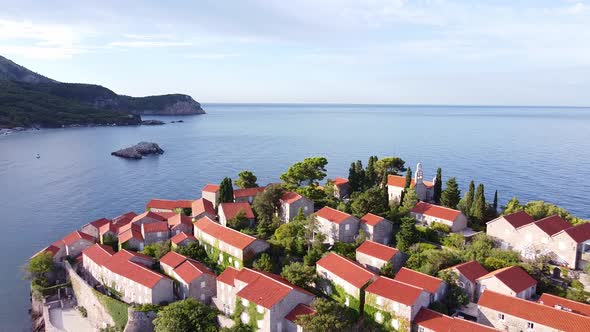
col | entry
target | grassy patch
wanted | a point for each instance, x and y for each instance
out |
(115, 308)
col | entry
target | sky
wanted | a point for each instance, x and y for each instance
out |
(311, 51)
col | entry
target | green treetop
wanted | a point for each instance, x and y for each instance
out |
(451, 196)
(330, 317)
(478, 208)
(390, 165)
(436, 197)
(408, 183)
(246, 179)
(226, 191)
(465, 204)
(410, 199)
(370, 172)
(309, 171)
(186, 316)
(407, 234)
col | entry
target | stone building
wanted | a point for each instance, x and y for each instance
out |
(436, 287)
(467, 275)
(291, 203)
(374, 256)
(228, 211)
(426, 213)
(376, 228)
(211, 193)
(193, 278)
(511, 281)
(337, 226)
(396, 185)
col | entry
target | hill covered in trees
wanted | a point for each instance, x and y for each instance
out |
(28, 99)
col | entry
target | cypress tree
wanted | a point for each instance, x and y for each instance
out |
(467, 202)
(437, 186)
(451, 196)
(226, 191)
(495, 206)
(353, 178)
(370, 173)
(361, 176)
(408, 178)
(478, 208)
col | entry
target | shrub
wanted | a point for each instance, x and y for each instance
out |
(83, 312)
(437, 226)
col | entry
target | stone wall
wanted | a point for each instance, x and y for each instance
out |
(140, 321)
(97, 313)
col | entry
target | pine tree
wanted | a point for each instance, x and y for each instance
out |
(437, 187)
(407, 234)
(467, 201)
(408, 178)
(226, 191)
(360, 173)
(478, 208)
(410, 198)
(353, 178)
(451, 196)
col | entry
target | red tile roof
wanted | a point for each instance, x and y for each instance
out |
(565, 304)
(534, 312)
(110, 227)
(290, 197)
(124, 218)
(414, 278)
(228, 276)
(163, 204)
(178, 238)
(332, 215)
(100, 222)
(150, 215)
(138, 257)
(300, 310)
(74, 236)
(230, 210)
(514, 277)
(121, 265)
(51, 249)
(340, 181)
(579, 233)
(248, 192)
(190, 270)
(518, 219)
(98, 253)
(211, 188)
(202, 205)
(346, 269)
(394, 290)
(436, 211)
(224, 234)
(371, 219)
(438, 322)
(172, 259)
(130, 234)
(471, 270)
(153, 227)
(552, 225)
(377, 250)
(178, 219)
(398, 181)
(265, 289)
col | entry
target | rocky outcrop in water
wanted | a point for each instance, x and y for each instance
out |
(139, 150)
(152, 123)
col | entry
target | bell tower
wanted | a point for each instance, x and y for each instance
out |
(419, 175)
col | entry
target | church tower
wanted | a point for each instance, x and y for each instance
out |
(419, 175)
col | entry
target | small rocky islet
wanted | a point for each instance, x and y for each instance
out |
(139, 150)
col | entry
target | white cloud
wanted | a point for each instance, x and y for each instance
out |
(147, 44)
(211, 56)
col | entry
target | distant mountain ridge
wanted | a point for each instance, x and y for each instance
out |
(28, 99)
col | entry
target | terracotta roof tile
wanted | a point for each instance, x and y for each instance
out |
(436, 211)
(98, 253)
(398, 181)
(471, 270)
(211, 188)
(414, 278)
(172, 259)
(332, 215)
(552, 225)
(534, 312)
(121, 265)
(346, 269)
(149, 215)
(74, 236)
(178, 219)
(231, 210)
(377, 250)
(182, 236)
(163, 204)
(130, 234)
(438, 322)
(300, 310)
(228, 276)
(154, 227)
(225, 234)
(579, 233)
(394, 290)
(265, 289)
(514, 277)
(338, 181)
(518, 219)
(100, 222)
(371, 219)
(290, 197)
(190, 270)
(565, 304)
(202, 205)
(248, 192)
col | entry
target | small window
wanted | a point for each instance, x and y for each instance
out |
(420, 329)
(500, 316)
(203, 284)
(530, 325)
(346, 227)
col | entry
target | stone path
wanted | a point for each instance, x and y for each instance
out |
(69, 320)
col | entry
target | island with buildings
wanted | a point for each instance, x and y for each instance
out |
(381, 250)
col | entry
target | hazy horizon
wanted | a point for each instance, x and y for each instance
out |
(491, 53)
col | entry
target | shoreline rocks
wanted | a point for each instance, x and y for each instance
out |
(139, 150)
(152, 123)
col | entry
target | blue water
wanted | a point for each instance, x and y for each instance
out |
(533, 153)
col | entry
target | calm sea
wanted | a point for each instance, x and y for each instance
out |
(531, 152)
